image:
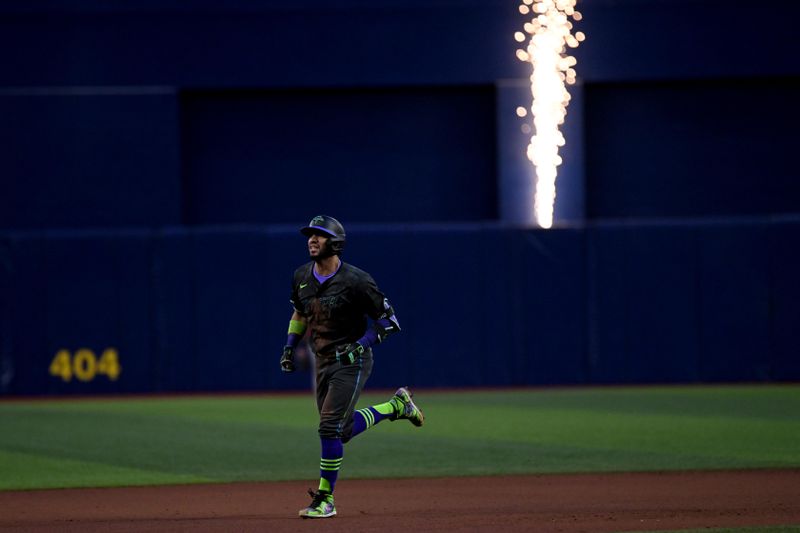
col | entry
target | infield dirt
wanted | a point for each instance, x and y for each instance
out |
(542, 503)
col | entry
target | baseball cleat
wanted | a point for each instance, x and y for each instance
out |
(321, 505)
(406, 408)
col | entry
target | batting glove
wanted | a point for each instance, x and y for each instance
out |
(349, 354)
(287, 359)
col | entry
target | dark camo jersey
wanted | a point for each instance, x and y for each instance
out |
(337, 309)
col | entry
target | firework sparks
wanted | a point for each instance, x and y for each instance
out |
(550, 36)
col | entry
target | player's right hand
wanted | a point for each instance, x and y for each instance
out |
(287, 359)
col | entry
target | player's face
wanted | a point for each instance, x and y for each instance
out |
(316, 245)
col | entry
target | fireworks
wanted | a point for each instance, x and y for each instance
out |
(549, 34)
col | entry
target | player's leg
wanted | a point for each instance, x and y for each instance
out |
(343, 388)
(331, 453)
(321, 505)
(336, 417)
(400, 406)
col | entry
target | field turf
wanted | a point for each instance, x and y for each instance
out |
(153, 440)
(754, 529)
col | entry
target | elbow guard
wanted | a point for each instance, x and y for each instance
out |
(387, 324)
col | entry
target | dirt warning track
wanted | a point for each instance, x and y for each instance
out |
(542, 503)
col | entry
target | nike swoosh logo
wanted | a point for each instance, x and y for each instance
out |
(303, 285)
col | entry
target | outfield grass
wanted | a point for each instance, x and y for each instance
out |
(111, 442)
(753, 529)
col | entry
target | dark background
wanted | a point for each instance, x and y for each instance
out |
(157, 159)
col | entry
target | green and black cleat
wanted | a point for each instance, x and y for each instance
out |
(406, 408)
(321, 505)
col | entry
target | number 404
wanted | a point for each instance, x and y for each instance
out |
(84, 365)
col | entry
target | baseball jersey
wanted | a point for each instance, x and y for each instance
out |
(337, 309)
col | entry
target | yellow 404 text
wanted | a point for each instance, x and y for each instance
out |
(85, 366)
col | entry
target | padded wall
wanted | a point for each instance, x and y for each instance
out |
(480, 305)
(72, 292)
(784, 300)
(643, 322)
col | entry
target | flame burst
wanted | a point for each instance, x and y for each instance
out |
(550, 36)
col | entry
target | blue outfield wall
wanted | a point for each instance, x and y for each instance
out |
(480, 305)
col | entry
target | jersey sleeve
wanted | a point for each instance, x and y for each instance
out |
(378, 308)
(373, 298)
(295, 296)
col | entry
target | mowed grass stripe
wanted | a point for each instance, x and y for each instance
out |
(728, 436)
(17, 468)
(168, 443)
(177, 440)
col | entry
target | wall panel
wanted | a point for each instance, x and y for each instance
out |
(784, 301)
(392, 155)
(643, 322)
(734, 310)
(692, 149)
(75, 159)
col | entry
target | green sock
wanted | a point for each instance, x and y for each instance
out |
(325, 485)
(363, 419)
(389, 408)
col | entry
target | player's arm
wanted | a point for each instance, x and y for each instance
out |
(384, 320)
(384, 323)
(297, 328)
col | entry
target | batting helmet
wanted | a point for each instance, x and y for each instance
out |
(331, 228)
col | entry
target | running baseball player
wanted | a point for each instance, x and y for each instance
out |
(333, 300)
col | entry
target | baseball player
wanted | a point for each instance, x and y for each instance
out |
(333, 300)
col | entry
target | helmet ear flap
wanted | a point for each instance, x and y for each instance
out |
(337, 247)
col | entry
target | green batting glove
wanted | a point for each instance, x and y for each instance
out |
(349, 354)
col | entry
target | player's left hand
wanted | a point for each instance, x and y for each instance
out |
(349, 354)
(287, 359)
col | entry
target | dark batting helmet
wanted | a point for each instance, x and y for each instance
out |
(331, 228)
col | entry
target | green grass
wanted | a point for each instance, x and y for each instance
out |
(753, 529)
(111, 442)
